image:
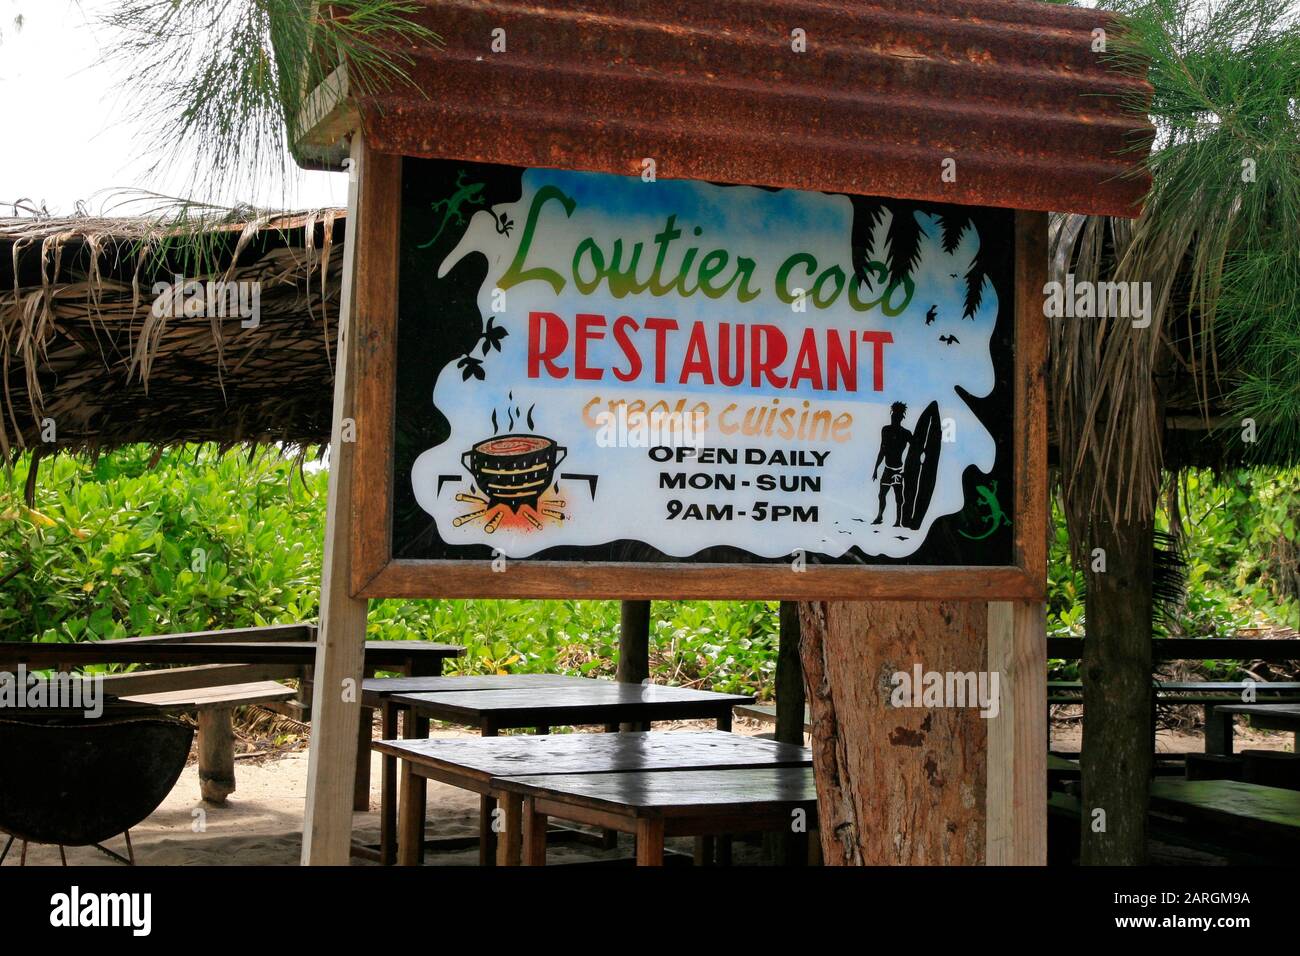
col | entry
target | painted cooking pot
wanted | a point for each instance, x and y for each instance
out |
(514, 470)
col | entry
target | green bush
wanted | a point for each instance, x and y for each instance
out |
(195, 541)
(126, 545)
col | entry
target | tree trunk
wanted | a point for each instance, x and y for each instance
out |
(633, 648)
(895, 785)
(1116, 670)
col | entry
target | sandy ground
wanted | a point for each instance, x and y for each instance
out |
(261, 823)
(1067, 736)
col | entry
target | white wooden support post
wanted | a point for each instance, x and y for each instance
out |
(1016, 794)
(336, 697)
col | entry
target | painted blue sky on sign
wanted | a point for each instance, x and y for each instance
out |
(768, 227)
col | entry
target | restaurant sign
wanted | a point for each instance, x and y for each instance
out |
(603, 368)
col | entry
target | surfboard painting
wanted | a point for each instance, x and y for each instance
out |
(678, 367)
(922, 466)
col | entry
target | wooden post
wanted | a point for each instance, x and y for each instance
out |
(634, 642)
(633, 648)
(1017, 736)
(785, 846)
(216, 753)
(340, 652)
(895, 785)
(790, 700)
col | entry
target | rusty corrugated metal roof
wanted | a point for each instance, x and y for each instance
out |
(711, 89)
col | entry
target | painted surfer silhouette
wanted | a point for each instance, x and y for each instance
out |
(894, 442)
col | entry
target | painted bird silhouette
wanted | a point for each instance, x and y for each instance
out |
(949, 340)
(931, 315)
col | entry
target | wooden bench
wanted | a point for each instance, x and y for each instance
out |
(1269, 716)
(215, 707)
(654, 805)
(766, 713)
(1206, 694)
(1270, 815)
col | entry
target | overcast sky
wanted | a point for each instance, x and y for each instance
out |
(69, 138)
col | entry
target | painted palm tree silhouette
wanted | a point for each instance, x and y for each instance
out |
(903, 246)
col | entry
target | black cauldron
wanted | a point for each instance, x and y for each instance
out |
(80, 783)
(514, 470)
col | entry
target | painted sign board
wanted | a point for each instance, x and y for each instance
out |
(649, 383)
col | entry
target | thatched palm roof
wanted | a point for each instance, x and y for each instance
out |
(83, 346)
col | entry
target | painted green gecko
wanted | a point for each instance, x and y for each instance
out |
(996, 518)
(466, 194)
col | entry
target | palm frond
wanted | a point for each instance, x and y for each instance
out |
(1216, 242)
(903, 245)
(224, 80)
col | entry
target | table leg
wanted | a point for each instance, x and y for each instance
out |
(1218, 731)
(487, 836)
(542, 729)
(510, 841)
(410, 826)
(704, 851)
(724, 851)
(650, 841)
(216, 754)
(795, 848)
(609, 838)
(388, 790)
(534, 835)
(361, 782)
(724, 720)
(416, 727)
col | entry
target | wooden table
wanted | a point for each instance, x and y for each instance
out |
(658, 804)
(1269, 813)
(1268, 716)
(377, 694)
(471, 764)
(575, 702)
(589, 702)
(1207, 694)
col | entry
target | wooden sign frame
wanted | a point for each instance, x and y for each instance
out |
(376, 573)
